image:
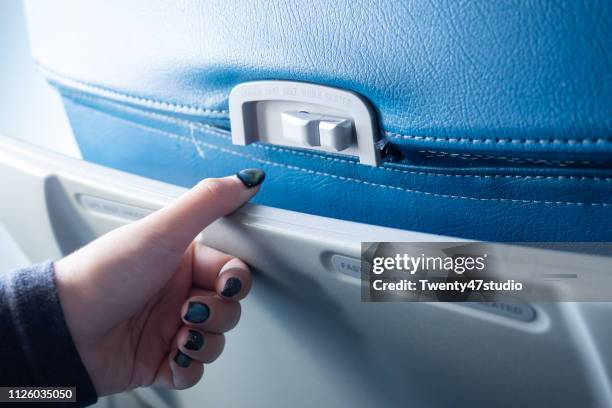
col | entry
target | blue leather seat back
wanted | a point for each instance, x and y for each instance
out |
(498, 116)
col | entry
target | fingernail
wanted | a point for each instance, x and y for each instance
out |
(197, 312)
(232, 287)
(195, 340)
(251, 177)
(182, 359)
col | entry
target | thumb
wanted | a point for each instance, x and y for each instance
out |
(180, 222)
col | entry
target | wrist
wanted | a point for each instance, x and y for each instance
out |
(69, 294)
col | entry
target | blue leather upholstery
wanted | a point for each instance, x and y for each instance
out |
(499, 116)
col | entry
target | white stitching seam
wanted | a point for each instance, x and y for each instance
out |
(62, 80)
(109, 93)
(225, 135)
(586, 140)
(517, 160)
(349, 179)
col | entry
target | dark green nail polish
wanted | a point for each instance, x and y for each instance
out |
(232, 287)
(251, 177)
(182, 359)
(197, 312)
(195, 340)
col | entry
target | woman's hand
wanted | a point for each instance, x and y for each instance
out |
(146, 305)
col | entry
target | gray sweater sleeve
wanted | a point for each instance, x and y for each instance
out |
(36, 348)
